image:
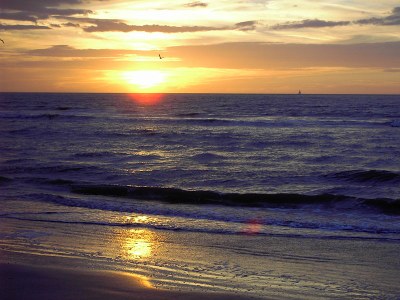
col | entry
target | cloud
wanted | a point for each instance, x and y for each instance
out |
(246, 55)
(316, 23)
(117, 25)
(106, 25)
(70, 24)
(36, 5)
(269, 55)
(246, 26)
(392, 70)
(392, 19)
(254, 2)
(22, 10)
(300, 58)
(18, 16)
(22, 27)
(196, 4)
(102, 25)
(68, 51)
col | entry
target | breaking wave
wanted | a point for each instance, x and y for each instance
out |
(367, 176)
(285, 201)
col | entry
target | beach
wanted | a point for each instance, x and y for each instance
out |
(43, 260)
(28, 282)
(199, 150)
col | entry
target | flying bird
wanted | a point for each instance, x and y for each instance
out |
(2, 41)
(161, 57)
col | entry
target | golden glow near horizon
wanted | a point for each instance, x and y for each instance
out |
(144, 79)
(252, 46)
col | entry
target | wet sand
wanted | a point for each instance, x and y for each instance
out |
(19, 281)
(60, 260)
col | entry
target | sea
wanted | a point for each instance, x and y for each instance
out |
(300, 166)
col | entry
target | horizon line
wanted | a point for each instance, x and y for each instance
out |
(194, 93)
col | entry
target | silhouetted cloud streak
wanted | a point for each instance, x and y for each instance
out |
(391, 20)
(19, 16)
(270, 55)
(249, 55)
(316, 23)
(104, 25)
(36, 5)
(68, 51)
(246, 26)
(22, 10)
(116, 25)
(196, 4)
(22, 27)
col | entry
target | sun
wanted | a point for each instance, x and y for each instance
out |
(145, 79)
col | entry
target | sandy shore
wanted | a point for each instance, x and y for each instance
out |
(19, 281)
(61, 260)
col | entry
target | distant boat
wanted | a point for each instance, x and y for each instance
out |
(299, 92)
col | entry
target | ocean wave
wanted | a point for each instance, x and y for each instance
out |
(48, 116)
(64, 113)
(63, 108)
(93, 154)
(4, 179)
(395, 123)
(287, 122)
(367, 176)
(22, 131)
(285, 201)
(34, 169)
(207, 157)
(189, 114)
(58, 181)
(226, 122)
(332, 231)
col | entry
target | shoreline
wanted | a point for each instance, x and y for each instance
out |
(61, 260)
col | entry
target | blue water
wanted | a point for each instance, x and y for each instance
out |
(306, 165)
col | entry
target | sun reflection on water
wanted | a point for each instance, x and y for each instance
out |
(137, 219)
(139, 248)
(146, 99)
(139, 243)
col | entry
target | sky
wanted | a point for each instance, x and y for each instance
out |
(226, 46)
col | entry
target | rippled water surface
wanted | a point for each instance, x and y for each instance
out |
(325, 165)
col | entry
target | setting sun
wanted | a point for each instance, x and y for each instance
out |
(254, 46)
(144, 79)
(199, 149)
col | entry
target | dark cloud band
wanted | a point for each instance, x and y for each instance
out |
(196, 4)
(309, 24)
(22, 27)
(32, 11)
(391, 20)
